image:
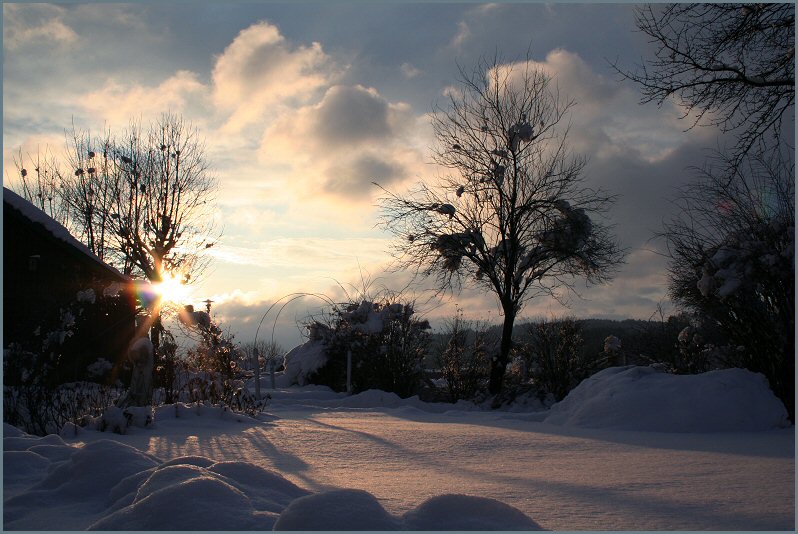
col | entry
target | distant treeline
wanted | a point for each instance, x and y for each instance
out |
(644, 341)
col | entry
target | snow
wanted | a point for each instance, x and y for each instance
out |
(464, 512)
(643, 398)
(706, 284)
(161, 504)
(375, 461)
(445, 209)
(87, 295)
(99, 367)
(72, 489)
(303, 361)
(344, 509)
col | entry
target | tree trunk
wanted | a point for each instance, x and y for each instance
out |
(155, 331)
(499, 364)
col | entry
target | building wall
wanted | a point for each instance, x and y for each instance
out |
(42, 276)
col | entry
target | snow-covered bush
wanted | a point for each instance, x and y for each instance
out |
(387, 347)
(216, 351)
(745, 284)
(41, 409)
(99, 368)
(464, 359)
(733, 261)
(211, 373)
(304, 361)
(695, 354)
(167, 367)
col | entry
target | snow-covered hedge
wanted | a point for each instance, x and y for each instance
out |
(386, 342)
(643, 398)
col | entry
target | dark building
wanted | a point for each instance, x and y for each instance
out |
(62, 306)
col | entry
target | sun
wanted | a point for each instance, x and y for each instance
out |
(172, 289)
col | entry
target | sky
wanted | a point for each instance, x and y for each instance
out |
(303, 105)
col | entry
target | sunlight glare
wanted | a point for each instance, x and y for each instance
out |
(171, 289)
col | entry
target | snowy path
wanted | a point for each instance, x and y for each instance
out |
(565, 479)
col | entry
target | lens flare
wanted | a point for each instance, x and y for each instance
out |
(170, 289)
(146, 294)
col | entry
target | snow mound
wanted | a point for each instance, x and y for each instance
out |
(161, 505)
(224, 495)
(199, 461)
(26, 458)
(268, 490)
(642, 398)
(464, 512)
(350, 509)
(80, 475)
(18, 466)
(10, 431)
(344, 509)
(73, 488)
(373, 399)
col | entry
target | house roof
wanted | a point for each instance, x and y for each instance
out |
(33, 214)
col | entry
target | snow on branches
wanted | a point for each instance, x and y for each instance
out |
(570, 231)
(744, 260)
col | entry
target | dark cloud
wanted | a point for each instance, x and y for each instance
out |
(351, 115)
(355, 178)
(645, 189)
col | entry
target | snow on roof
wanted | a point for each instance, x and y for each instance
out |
(35, 215)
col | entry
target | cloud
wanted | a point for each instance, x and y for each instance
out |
(352, 178)
(284, 317)
(38, 24)
(118, 102)
(338, 146)
(409, 71)
(334, 254)
(350, 115)
(296, 136)
(607, 118)
(260, 70)
(462, 35)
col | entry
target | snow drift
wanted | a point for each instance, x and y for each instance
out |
(107, 485)
(643, 398)
(349, 509)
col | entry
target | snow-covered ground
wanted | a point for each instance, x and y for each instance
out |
(374, 461)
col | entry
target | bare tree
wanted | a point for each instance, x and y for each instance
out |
(731, 64)
(511, 215)
(141, 201)
(732, 251)
(39, 183)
